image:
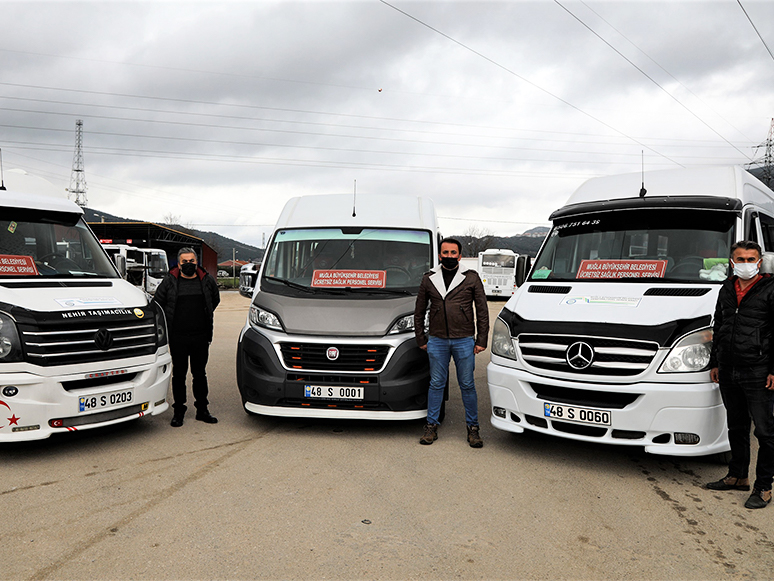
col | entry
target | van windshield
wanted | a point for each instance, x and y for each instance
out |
(652, 245)
(35, 244)
(366, 261)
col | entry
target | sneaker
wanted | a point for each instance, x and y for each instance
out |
(206, 417)
(729, 483)
(758, 499)
(430, 435)
(474, 439)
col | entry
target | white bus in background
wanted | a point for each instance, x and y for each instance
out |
(497, 269)
(145, 267)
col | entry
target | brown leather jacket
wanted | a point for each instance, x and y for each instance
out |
(451, 311)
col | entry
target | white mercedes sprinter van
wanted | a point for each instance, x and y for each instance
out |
(608, 339)
(79, 347)
(330, 333)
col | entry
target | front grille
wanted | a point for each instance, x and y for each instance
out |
(584, 397)
(578, 429)
(97, 381)
(611, 357)
(314, 356)
(70, 341)
(99, 417)
(676, 292)
(317, 378)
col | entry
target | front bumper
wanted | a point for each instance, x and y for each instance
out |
(44, 405)
(656, 412)
(397, 392)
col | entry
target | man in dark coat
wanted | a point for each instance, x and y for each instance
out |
(451, 291)
(189, 296)
(742, 362)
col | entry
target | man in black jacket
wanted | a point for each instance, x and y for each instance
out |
(742, 361)
(189, 296)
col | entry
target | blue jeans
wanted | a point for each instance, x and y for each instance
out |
(746, 398)
(440, 351)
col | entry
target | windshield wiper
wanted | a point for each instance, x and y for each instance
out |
(378, 291)
(291, 284)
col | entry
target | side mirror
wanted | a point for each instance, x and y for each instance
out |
(120, 261)
(523, 266)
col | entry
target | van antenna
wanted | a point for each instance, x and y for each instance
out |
(643, 191)
(354, 200)
(2, 182)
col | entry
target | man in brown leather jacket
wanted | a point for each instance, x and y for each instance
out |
(451, 290)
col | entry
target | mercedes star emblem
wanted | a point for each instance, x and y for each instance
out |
(579, 355)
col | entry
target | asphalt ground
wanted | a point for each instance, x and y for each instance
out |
(270, 498)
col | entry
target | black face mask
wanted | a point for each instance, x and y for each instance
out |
(188, 269)
(449, 262)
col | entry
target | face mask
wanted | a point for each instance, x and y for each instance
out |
(188, 269)
(746, 270)
(449, 262)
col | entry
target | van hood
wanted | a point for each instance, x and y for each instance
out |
(334, 316)
(613, 303)
(70, 295)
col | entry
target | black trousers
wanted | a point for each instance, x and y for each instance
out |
(183, 348)
(746, 398)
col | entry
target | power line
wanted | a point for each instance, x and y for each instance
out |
(651, 79)
(532, 84)
(755, 28)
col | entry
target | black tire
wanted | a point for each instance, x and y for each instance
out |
(720, 457)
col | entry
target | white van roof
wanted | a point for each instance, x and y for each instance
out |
(27, 191)
(371, 210)
(723, 181)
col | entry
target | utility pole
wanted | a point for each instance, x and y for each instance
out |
(77, 189)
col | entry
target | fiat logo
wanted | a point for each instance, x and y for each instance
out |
(579, 355)
(332, 353)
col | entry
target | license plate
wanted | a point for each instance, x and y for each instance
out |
(496, 291)
(333, 392)
(90, 403)
(578, 415)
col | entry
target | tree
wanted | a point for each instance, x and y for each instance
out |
(476, 239)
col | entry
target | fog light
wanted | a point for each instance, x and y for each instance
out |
(10, 390)
(499, 412)
(685, 438)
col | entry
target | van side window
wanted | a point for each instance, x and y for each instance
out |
(767, 228)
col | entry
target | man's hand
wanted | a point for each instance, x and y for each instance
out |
(423, 347)
(715, 377)
(770, 382)
(478, 349)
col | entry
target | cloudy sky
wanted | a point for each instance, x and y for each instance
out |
(218, 113)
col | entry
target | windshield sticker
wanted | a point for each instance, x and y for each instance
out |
(622, 269)
(541, 273)
(90, 302)
(12, 227)
(599, 300)
(16, 265)
(349, 278)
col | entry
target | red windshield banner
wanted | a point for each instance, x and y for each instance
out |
(17, 265)
(622, 269)
(349, 278)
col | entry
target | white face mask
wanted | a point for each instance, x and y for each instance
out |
(746, 270)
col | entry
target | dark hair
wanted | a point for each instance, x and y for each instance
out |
(746, 245)
(186, 250)
(451, 241)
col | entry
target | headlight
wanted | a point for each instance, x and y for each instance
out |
(502, 342)
(263, 318)
(402, 325)
(10, 346)
(161, 325)
(690, 354)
